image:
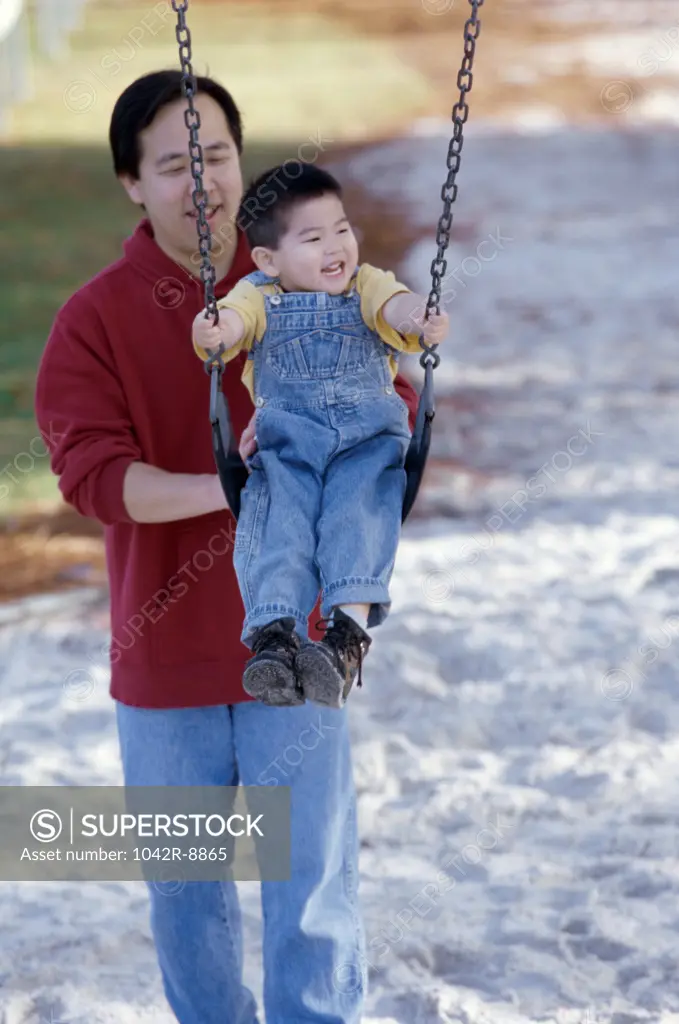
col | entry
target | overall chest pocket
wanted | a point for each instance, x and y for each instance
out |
(319, 354)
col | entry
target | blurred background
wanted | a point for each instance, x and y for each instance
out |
(527, 674)
(355, 75)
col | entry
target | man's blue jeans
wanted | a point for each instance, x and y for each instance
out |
(313, 942)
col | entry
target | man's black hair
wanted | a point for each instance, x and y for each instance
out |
(137, 107)
(264, 208)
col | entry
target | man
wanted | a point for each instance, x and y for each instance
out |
(120, 389)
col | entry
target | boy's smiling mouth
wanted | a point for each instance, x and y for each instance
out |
(334, 269)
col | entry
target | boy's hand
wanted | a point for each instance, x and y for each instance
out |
(405, 312)
(435, 329)
(206, 333)
(248, 440)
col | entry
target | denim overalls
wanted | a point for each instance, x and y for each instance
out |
(321, 509)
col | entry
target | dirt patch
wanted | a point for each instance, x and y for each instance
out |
(385, 234)
(41, 553)
(428, 35)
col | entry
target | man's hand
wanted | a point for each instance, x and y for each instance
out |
(248, 440)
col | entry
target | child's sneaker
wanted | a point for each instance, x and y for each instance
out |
(270, 675)
(326, 669)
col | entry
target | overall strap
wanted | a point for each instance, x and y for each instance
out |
(258, 278)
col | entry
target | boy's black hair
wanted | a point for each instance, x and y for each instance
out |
(137, 107)
(270, 197)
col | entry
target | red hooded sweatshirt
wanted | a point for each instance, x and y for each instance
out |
(118, 383)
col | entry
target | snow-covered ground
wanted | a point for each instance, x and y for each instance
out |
(517, 739)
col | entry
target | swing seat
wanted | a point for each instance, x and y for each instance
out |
(418, 449)
(231, 469)
(233, 473)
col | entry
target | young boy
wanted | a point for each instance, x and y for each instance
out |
(322, 506)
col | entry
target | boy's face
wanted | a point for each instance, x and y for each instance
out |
(317, 253)
(165, 183)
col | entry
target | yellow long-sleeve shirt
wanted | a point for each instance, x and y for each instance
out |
(375, 287)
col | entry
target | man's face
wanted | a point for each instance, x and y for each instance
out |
(165, 184)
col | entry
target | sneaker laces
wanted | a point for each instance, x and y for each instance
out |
(344, 638)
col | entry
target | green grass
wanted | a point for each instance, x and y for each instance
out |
(63, 215)
(292, 74)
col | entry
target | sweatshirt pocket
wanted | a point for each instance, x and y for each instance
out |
(204, 619)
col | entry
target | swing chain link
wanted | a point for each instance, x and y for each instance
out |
(460, 113)
(199, 195)
(449, 190)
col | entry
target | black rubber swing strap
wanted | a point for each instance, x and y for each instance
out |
(427, 395)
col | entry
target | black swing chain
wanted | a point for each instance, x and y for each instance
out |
(192, 121)
(449, 191)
